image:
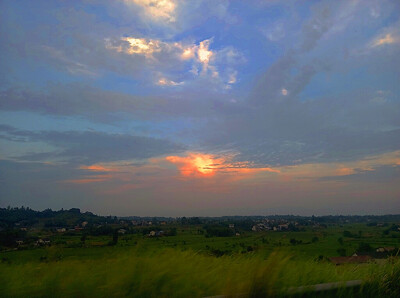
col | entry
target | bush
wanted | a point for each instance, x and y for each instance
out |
(341, 252)
(348, 234)
(364, 248)
(218, 231)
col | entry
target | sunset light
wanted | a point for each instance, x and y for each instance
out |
(199, 148)
(195, 163)
(202, 107)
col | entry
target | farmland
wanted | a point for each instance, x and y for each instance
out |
(196, 257)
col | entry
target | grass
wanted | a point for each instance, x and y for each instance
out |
(175, 273)
(187, 265)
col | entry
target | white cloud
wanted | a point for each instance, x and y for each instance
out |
(140, 46)
(375, 12)
(204, 54)
(275, 32)
(164, 57)
(380, 97)
(188, 53)
(166, 82)
(173, 16)
(71, 65)
(158, 10)
(232, 77)
(389, 38)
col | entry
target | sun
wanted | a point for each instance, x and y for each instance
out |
(194, 164)
(203, 163)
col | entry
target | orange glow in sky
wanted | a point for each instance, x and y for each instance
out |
(206, 165)
(91, 179)
(195, 163)
(95, 168)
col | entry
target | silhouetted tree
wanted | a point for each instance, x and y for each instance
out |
(115, 237)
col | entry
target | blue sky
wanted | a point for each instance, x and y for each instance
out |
(170, 107)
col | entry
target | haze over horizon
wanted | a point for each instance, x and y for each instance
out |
(201, 108)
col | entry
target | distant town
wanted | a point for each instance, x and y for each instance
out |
(23, 228)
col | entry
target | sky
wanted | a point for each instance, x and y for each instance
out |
(201, 107)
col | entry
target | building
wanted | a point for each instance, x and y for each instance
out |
(385, 249)
(42, 242)
(350, 260)
(283, 227)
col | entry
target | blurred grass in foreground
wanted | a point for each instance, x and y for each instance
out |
(173, 273)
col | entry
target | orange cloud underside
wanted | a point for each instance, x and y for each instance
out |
(91, 179)
(194, 163)
(345, 171)
(96, 168)
(106, 175)
(206, 165)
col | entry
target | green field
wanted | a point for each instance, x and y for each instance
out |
(257, 264)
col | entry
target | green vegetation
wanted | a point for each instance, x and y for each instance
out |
(87, 255)
(175, 273)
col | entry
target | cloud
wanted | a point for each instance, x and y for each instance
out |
(158, 10)
(92, 179)
(340, 171)
(204, 54)
(99, 105)
(378, 175)
(71, 65)
(88, 147)
(129, 46)
(271, 126)
(389, 36)
(342, 122)
(275, 32)
(72, 99)
(218, 66)
(196, 164)
(166, 82)
(138, 46)
(146, 47)
(97, 168)
(387, 39)
(316, 26)
(178, 15)
(244, 189)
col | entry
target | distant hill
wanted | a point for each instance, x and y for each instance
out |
(24, 216)
(10, 217)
